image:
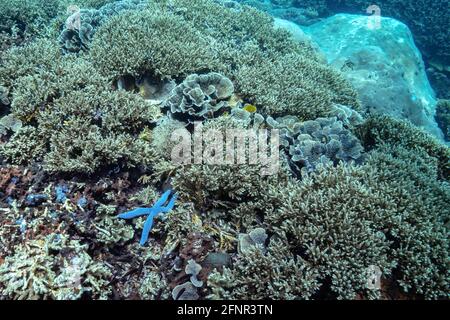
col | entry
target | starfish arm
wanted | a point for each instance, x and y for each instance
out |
(135, 213)
(146, 230)
(163, 199)
(170, 205)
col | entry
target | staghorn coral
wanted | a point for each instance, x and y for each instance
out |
(156, 35)
(443, 117)
(200, 97)
(53, 268)
(24, 146)
(367, 215)
(294, 84)
(341, 234)
(28, 16)
(410, 177)
(67, 100)
(251, 52)
(153, 286)
(379, 129)
(278, 274)
(4, 101)
(109, 230)
(430, 27)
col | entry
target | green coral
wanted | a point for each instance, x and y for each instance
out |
(280, 276)
(443, 117)
(168, 42)
(30, 16)
(78, 119)
(379, 129)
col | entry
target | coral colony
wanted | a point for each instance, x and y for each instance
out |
(307, 140)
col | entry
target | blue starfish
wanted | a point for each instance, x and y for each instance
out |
(151, 213)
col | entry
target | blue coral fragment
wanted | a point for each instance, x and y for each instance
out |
(151, 213)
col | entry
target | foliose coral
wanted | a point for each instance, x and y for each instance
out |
(200, 97)
(315, 142)
(81, 25)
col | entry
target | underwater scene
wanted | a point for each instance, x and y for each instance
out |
(224, 150)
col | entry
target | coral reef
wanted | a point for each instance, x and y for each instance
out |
(78, 32)
(380, 202)
(280, 275)
(178, 45)
(430, 27)
(27, 17)
(378, 130)
(87, 116)
(294, 85)
(443, 117)
(68, 103)
(53, 268)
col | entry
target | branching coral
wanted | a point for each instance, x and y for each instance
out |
(377, 130)
(24, 146)
(443, 117)
(294, 84)
(53, 268)
(251, 52)
(156, 42)
(29, 16)
(108, 229)
(344, 220)
(278, 274)
(68, 101)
